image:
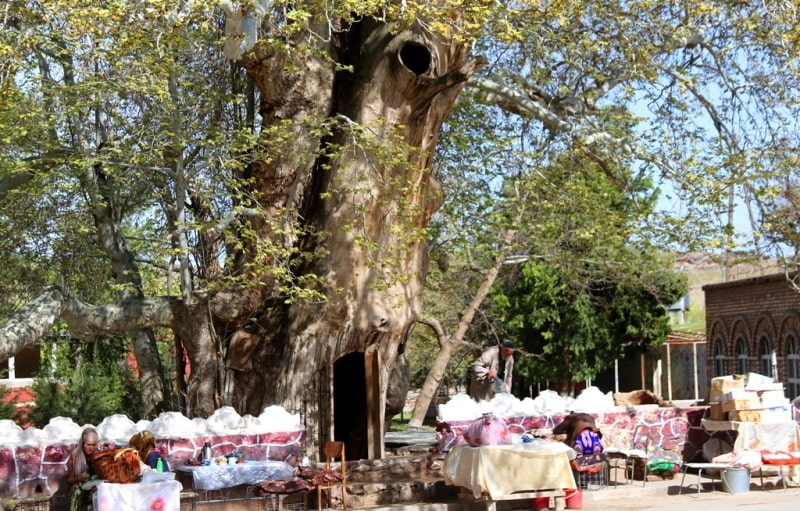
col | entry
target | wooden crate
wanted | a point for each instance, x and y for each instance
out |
(716, 413)
(740, 404)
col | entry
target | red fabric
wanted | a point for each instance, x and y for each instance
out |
(780, 458)
(281, 487)
(319, 476)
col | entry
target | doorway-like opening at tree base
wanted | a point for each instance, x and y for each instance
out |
(350, 405)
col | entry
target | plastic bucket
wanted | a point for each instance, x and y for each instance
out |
(541, 503)
(574, 499)
(736, 480)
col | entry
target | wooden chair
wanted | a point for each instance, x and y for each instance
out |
(332, 451)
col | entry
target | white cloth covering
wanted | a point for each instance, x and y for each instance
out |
(163, 496)
(502, 469)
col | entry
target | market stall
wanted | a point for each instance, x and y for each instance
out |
(503, 472)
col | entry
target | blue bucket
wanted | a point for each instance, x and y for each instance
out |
(736, 480)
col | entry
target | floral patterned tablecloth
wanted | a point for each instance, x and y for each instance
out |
(161, 496)
(760, 436)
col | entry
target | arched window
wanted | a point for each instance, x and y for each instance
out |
(765, 360)
(792, 368)
(719, 359)
(742, 367)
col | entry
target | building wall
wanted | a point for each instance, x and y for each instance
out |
(764, 314)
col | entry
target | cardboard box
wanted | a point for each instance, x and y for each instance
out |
(756, 380)
(726, 383)
(736, 394)
(716, 413)
(745, 415)
(741, 404)
(775, 414)
(767, 387)
(773, 398)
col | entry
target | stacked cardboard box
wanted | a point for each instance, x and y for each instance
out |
(748, 398)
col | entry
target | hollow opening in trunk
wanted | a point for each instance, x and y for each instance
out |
(350, 404)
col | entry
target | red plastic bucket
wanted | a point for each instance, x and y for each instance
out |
(574, 499)
(541, 503)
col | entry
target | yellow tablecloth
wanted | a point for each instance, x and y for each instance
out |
(162, 496)
(760, 436)
(502, 469)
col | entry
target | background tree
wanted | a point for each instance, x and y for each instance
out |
(780, 219)
(644, 94)
(321, 193)
(8, 410)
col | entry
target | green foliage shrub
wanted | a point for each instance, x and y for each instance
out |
(7, 409)
(86, 382)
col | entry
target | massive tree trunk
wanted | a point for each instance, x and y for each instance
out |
(364, 214)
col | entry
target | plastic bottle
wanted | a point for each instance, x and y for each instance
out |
(159, 466)
(207, 454)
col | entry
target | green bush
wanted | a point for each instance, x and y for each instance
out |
(7, 409)
(87, 382)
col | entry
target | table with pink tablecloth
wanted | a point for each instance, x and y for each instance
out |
(498, 470)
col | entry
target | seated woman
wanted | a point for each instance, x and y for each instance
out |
(80, 470)
(144, 442)
(586, 439)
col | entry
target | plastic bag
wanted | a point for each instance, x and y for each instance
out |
(488, 430)
(499, 386)
(445, 437)
(747, 458)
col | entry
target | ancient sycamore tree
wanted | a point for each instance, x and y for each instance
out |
(254, 176)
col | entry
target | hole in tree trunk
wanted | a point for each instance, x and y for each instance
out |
(415, 57)
(350, 405)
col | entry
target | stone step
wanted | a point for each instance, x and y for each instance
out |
(398, 493)
(420, 506)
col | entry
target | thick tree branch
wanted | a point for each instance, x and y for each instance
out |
(36, 319)
(515, 101)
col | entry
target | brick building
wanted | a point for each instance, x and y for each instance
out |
(753, 325)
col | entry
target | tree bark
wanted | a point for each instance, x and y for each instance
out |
(403, 83)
